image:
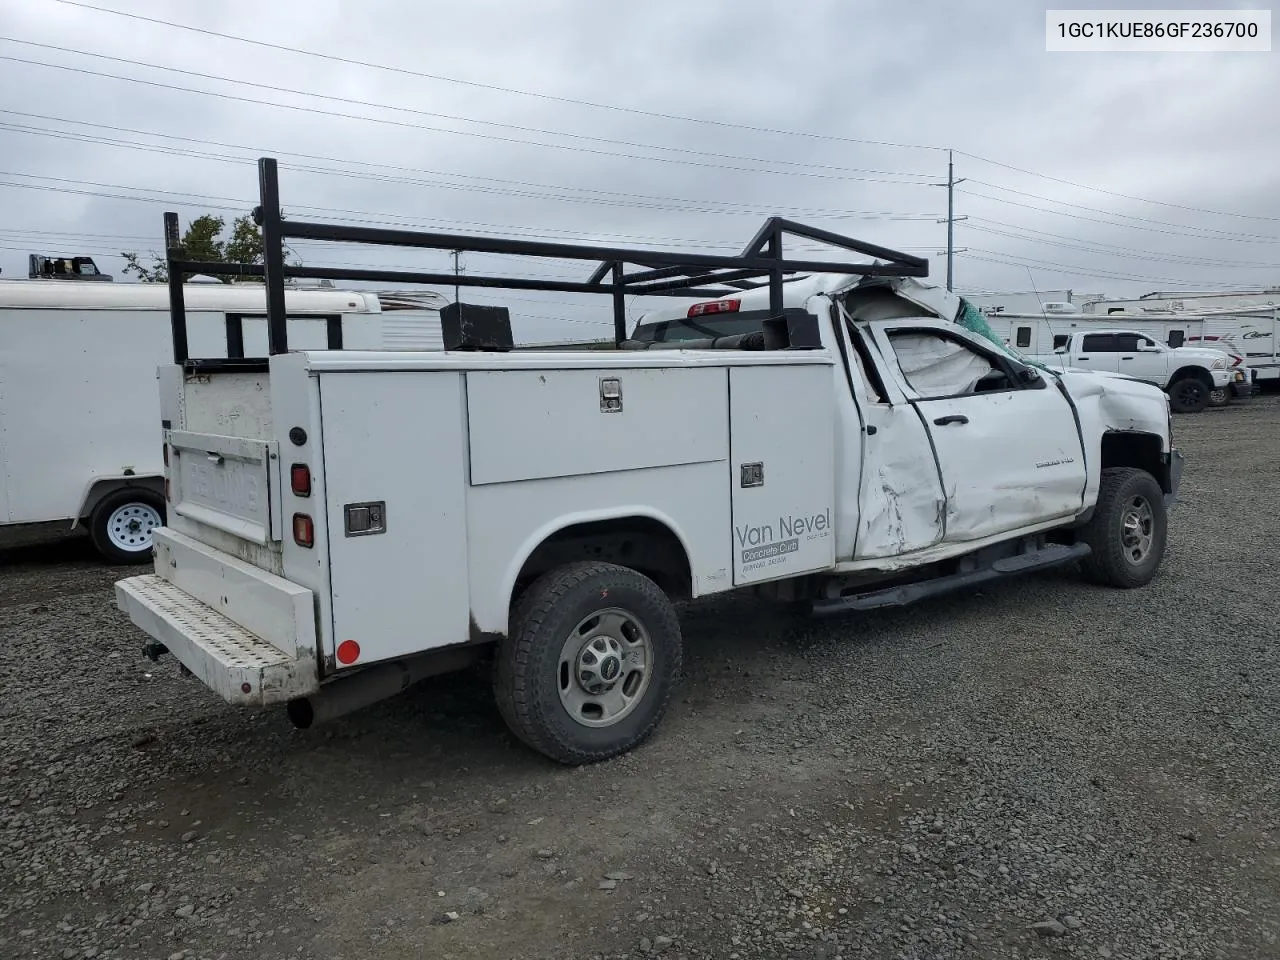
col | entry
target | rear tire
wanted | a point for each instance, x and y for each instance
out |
(590, 662)
(1188, 395)
(123, 523)
(1128, 531)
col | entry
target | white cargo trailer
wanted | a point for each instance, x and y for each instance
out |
(80, 434)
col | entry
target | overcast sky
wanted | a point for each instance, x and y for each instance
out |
(1187, 130)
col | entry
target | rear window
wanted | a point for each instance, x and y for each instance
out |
(699, 328)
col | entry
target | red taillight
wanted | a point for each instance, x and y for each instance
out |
(304, 531)
(300, 480)
(714, 306)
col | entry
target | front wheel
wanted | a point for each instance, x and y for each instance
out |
(1128, 530)
(123, 523)
(1188, 396)
(588, 667)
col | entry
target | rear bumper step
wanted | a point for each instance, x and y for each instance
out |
(240, 667)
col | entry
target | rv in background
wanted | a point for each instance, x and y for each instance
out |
(80, 432)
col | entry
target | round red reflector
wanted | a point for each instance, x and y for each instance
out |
(245, 688)
(348, 651)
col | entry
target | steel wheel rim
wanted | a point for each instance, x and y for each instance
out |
(130, 527)
(605, 667)
(1137, 530)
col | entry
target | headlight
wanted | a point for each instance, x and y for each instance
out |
(1220, 364)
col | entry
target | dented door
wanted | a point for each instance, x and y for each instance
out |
(1009, 453)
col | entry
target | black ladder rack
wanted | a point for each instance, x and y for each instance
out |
(620, 272)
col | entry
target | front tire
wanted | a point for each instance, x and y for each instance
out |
(1188, 395)
(1128, 531)
(123, 523)
(590, 662)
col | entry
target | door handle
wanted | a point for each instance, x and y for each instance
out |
(951, 418)
(1082, 358)
(1126, 358)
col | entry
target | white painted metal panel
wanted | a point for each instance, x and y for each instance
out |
(507, 521)
(4, 448)
(1015, 462)
(398, 439)
(535, 424)
(271, 608)
(223, 482)
(783, 423)
(228, 405)
(295, 402)
(80, 401)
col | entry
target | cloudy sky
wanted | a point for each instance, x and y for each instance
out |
(681, 124)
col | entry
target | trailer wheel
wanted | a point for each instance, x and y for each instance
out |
(1188, 395)
(1128, 531)
(588, 668)
(123, 523)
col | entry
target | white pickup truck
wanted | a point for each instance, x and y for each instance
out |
(343, 523)
(1190, 375)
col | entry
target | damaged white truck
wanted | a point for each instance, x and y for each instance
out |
(344, 523)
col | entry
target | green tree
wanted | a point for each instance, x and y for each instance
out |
(203, 241)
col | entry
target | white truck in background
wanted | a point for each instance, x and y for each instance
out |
(80, 442)
(372, 518)
(1189, 375)
(1247, 342)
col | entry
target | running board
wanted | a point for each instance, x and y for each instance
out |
(1052, 555)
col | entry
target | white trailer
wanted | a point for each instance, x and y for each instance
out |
(374, 518)
(80, 433)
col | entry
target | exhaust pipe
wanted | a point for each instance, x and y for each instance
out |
(375, 683)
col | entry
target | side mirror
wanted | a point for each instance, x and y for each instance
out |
(1148, 348)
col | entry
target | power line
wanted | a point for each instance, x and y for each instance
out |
(602, 197)
(1076, 270)
(1123, 216)
(220, 78)
(1127, 226)
(495, 87)
(465, 133)
(1113, 193)
(1123, 252)
(635, 111)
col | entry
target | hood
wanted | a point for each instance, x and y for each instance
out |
(1203, 354)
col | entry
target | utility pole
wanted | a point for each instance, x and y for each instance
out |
(951, 214)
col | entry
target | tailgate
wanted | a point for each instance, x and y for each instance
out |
(226, 483)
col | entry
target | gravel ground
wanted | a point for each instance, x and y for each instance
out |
(1041, 769)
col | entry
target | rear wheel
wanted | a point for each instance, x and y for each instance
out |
(123, 524)
(588, 667)
(1188, 396)
(1128, 531)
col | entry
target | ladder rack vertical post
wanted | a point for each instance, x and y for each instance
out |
(177, 299)
(272, 256)
(619, 306)
(775, 272)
